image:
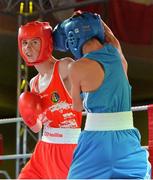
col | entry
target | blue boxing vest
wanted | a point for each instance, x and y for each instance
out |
(114, 95)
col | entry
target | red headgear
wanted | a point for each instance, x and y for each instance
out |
(40, 30)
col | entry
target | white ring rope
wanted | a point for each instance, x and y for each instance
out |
(15, 156)
(10, 120)
(140, 108)
(19, 119)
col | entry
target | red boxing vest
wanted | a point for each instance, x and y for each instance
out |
(58, 102)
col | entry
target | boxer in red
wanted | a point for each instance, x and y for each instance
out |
(47, 104)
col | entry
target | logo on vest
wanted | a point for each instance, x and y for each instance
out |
(55, 97)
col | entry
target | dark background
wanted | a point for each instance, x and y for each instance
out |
(139, 58)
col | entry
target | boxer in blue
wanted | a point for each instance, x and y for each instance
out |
(109, 147)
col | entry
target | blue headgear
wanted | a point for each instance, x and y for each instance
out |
(79, 29)
(59, 37)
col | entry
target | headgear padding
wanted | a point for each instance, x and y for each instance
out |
(59, 37)
(81, 28)
(36, 29)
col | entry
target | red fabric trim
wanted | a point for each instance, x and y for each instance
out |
(131, 22)
(94, 8)
(1, 146)
(150, 134)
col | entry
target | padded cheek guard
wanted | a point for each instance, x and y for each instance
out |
(59, 37)
(80, 29)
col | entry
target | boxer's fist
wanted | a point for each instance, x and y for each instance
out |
(30, 107)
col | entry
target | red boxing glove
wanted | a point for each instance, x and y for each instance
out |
(30, 107)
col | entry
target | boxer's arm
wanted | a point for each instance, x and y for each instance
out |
(75, 87)
(63, 66)
(31, 83)
(110, 38)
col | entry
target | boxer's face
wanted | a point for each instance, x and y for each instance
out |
(31, 48)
